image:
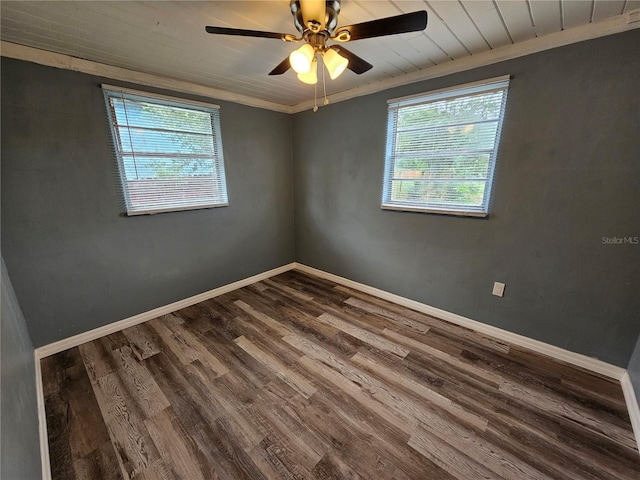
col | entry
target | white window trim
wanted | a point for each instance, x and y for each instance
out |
(169, 101)
(158, 96)
(482, 86)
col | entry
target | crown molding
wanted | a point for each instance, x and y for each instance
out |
(611, 26)
(66, 62)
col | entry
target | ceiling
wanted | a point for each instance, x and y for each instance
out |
(168, 39)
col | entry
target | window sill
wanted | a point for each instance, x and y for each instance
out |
(134, 213)
(457, 213)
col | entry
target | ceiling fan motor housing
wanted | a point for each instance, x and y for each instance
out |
(314, 25)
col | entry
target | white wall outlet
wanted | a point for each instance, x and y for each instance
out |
(498, 289)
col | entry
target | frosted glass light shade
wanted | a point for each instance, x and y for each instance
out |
(302, 58)
(311, 77)
(335, 63)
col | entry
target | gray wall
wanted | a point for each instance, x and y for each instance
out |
(20, 445)
(568, 174)
(75, 260)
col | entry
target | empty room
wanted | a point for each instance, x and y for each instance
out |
(358, 239)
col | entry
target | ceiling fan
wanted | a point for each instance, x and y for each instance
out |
(317, 22)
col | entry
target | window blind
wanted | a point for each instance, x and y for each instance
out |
(169, 152)
(441, 148)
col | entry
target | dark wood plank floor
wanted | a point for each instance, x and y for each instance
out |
(296, 377)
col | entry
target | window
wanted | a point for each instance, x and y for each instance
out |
(441, 149)
(169, 152)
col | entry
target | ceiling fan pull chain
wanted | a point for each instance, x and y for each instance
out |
(324, 85)
(315, 97)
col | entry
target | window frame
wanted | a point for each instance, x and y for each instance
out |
(110, 91)
(500, 83)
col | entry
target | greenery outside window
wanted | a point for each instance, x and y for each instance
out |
(169, 151)
(442, 147)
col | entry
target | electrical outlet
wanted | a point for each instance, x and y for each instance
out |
(498, 289)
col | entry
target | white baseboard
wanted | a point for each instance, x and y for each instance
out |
(588, 363)
(591, 364)
(84, 337)
(62, 345)
(42, 424)
(573, 358)
(632, 405)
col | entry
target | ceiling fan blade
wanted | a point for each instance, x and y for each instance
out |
(356, 64)
(408, 22)
(287, 37)
(282, 67)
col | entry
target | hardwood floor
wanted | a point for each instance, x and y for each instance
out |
(297, 377)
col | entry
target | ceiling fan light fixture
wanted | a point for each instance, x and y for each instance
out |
(311, 77)
(302, 58)
(335, 63)
(317, 22)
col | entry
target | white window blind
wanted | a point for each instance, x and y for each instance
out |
(169, 152)
(441, 149)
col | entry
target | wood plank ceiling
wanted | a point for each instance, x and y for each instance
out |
(168, 38)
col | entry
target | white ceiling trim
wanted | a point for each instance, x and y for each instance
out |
(613, 25)
(66, 62)
(589, 31)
